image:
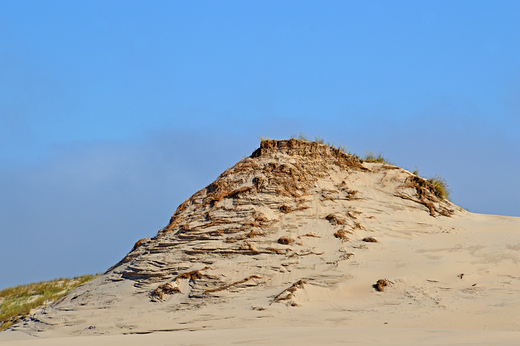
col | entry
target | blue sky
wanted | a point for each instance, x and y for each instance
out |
(114, 112)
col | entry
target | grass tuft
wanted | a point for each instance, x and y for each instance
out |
(441, 187)
(17, 302)
(371, 157)
(301, 136)
(318, 139)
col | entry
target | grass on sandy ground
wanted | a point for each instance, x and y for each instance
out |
(437, 181)
(17, 302)
(318, 139)
(371, 157)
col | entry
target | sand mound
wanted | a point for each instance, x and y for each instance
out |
(302, 234)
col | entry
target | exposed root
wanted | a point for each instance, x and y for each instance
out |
(218, 289)
(427, 195)
(165, 289)
(343, 257)
(309, 235)
(288, 292)
(296, 254)
(277, 251)
(428, 204)
(172, 287)
(193, 275)
(254, 233)
(249, 248)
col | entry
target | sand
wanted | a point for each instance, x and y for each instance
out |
(296, 336)
(276, 252)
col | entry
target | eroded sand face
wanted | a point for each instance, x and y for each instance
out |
(280, 240)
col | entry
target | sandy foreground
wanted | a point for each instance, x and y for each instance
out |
(285, 336)
(276, 252)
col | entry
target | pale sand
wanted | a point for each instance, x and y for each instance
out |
(296, 336)
(453, 280)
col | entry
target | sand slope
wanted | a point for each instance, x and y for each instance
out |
(279, 241)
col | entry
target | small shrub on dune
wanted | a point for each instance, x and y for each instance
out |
(374, 158)
(441, 187)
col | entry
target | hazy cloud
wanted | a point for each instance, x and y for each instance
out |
(83, 210)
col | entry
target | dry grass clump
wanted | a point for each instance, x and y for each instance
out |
(334, 220)
(285, 209)
(381, 284)
(140, 242)
(429, 192)
(285, 241)
(436, 185)
(17, 302)
(441, 187)
(341, 234)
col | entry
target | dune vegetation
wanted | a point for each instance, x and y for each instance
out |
(438, 182)
(17, 302)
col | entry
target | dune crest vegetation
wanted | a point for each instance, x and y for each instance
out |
(437, 182)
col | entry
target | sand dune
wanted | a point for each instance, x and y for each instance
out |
(287, 247)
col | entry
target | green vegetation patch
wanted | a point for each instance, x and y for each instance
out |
(374, 158)
(17, 302)
(441, 187)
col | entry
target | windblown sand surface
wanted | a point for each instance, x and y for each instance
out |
(287, 247)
